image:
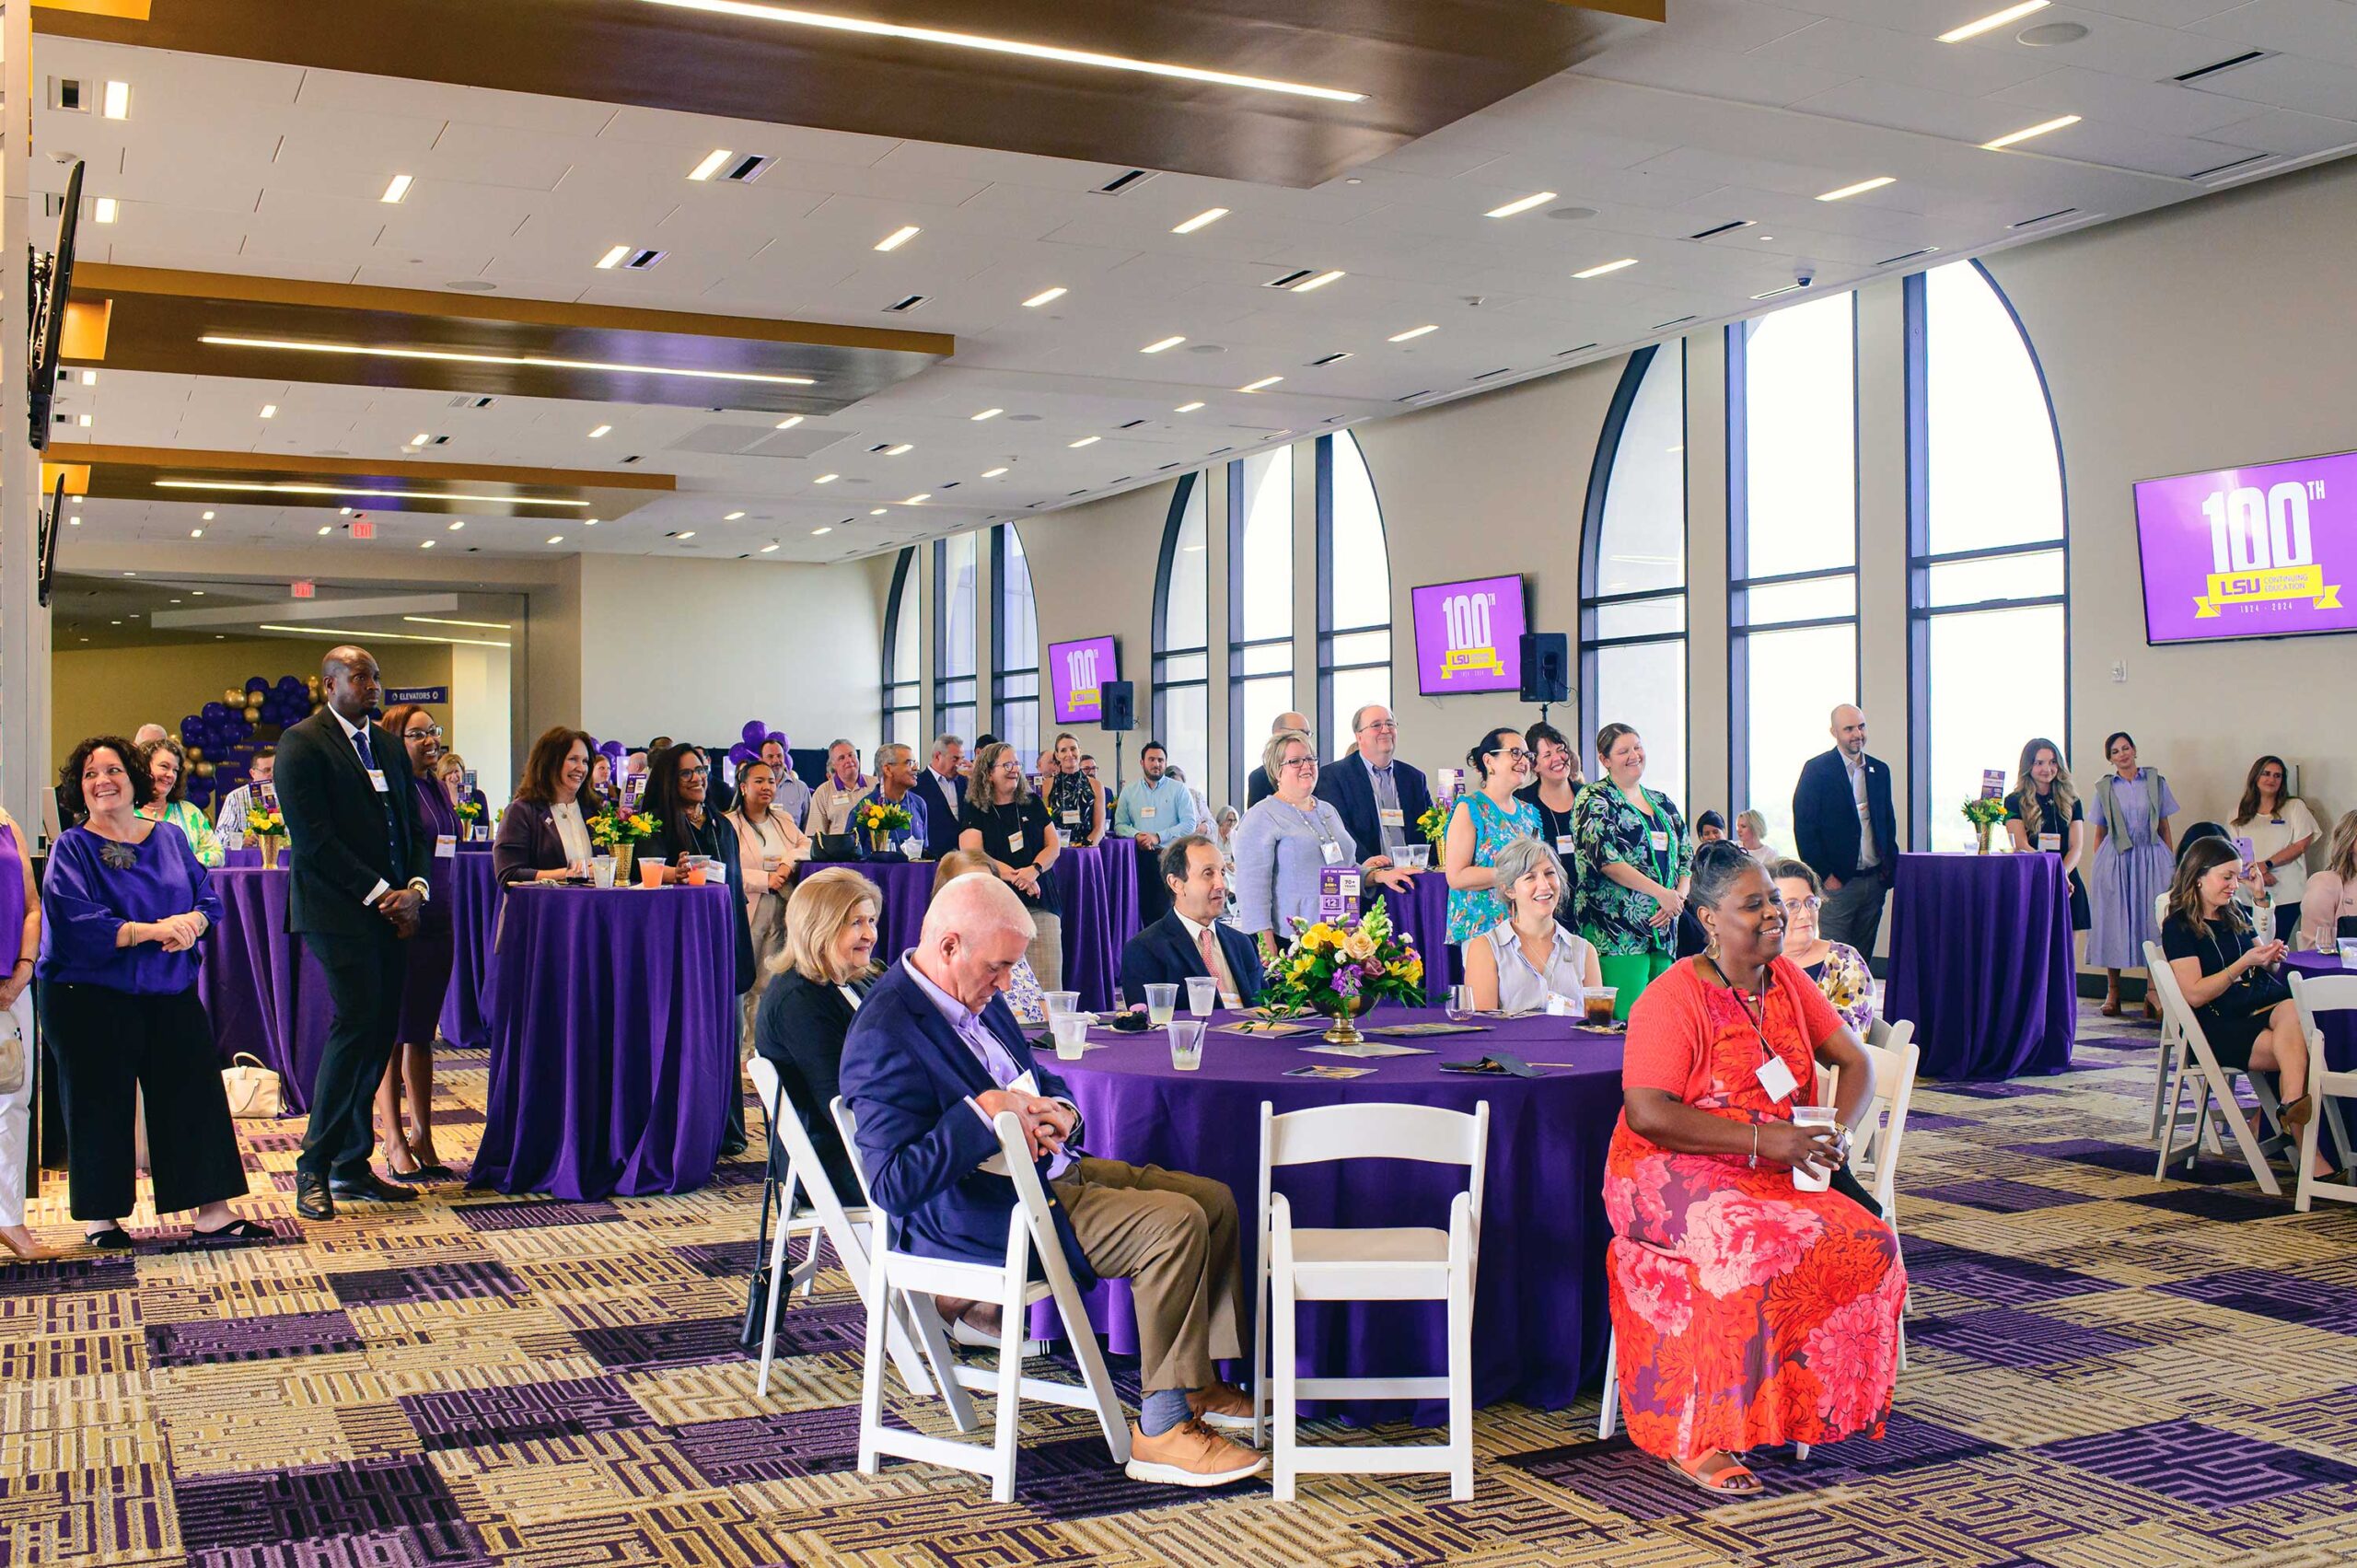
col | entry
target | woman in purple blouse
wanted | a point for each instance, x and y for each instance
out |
(124, 905)
(410, 1154)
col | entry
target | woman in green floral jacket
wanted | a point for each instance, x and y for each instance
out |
(1633, 857)
(166, 768)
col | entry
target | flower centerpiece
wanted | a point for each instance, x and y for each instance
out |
(619, 832)
(1341, 970)
(1984, 812)
(879, 819)
(269, 828)
(470, 811)
(1433, 824)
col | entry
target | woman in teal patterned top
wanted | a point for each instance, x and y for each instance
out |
(1633, 857)
(1479, 825)
(168, 800)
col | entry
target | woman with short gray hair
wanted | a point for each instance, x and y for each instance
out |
(1284, 841)
(1531, 956)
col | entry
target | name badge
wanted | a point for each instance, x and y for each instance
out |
(1661, 842)
(1777, 1078)
(1146, 810)
(1564, 845)
(445, 845)
(1014, 843)
(1392, 817)
(1072, 818)
(376, 779)
(2050, 842)
(1331, 851)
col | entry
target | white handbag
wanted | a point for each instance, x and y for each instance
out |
(252, 1091)
(13, 1062)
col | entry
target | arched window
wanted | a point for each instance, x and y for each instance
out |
(1633, 570)
(1260, 605)
(1792, 545)
(903, 684)
(1988, 634)
(954, 616)
(1014, 646)
(1354, 591)
(1182, 630)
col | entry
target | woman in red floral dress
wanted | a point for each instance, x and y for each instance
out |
(1748, 1313)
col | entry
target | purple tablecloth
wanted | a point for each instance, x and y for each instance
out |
(249, 854)
(906, 888)
(266, 995)
(2340, 1028)
(1098, 888)
(1980, 961)
(1422, 916)
(613, 1041)
(1539, 1319)
(474, 921)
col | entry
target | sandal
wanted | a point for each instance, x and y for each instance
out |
(1733, 1481)
(2110, 1007)
(114, 1238)
(2295, 1115)
(236, 1233)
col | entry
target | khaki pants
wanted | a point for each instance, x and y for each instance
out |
(1174, 1237)
(768, 915)
(1046, 953)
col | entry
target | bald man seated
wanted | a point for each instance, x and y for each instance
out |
(933, 1058)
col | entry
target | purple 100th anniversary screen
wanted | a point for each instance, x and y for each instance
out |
(1076, 676)
(1469, 636)
(2265, 552)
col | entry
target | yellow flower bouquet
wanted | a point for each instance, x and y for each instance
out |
(265, 823)
(622, 830)
(1342, 970)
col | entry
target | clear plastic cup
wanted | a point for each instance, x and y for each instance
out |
(1061, 1003)
(1598, 1003)
(602, 871)
(1186, 1042)
(1415, 857)
(1202, 995)
(1072, 1035)
(1806, 1178)
(1161, 1004)
(1460, 1005)
(650, 873)
(2348, 952)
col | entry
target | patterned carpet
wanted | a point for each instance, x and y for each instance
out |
(2104, 1372)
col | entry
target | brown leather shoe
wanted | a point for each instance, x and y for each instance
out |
(1222, 1406)
(1190, 1454)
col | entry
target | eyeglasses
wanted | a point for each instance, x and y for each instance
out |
(1385, 725)
(434, 734)
(695, 773)
(1512, 753)
(1292, 762)
(1809, 905)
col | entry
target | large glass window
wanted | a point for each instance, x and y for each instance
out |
(955, 589)
(903, 683)
(1988, 646)
(1633, 572)
(1015, 640)
(1260, 605)
(1354, 591)
(1792, 546)
(1182, 630)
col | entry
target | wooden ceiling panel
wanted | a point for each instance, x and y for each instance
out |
(473, 490)
(158, 320)
(1420, 63)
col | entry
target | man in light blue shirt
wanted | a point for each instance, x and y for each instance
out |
(1158, 808)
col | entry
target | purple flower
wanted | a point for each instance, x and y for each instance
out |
(1346, 982)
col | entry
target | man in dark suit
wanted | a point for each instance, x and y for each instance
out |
(1258, 786)
(1378, 797)
(931, 1059)
(358, 880)
(942, 789)
(1844, 827)
(1189, 940)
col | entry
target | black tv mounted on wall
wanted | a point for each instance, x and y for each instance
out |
(52, 277)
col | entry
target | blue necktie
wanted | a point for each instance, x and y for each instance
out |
(384, 803)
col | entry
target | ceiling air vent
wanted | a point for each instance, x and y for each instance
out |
(2043, 217)
(469, 400)
(1291, 278)
(67, 93)
(2229, 167)
(1130, 426)
(1724, 228)
(747, 169)
(1124, 182)
(1675, 322)
(2200, 73)
(1487, 374)
(1331, 358)
(1413, 396)
(1905, 255)
(1566, 353)
(640, 261)
(910, 303)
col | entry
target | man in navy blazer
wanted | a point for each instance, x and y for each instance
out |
(942, 789)
(1844, 826)
(1378, 797)
(933, 1057)
(1189, 940)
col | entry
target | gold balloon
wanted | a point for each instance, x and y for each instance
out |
(196, 753)
(253, 712)
(204, 770)
(234, 696)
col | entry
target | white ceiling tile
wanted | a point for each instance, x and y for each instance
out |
(2321, 29)
(2135, 50)
(2166, 106)
(2281, 81)
(1915, 109)
(2281, 130)
(1662, 62)
(2163, 13)
(2126, 147)
(796, 143)
(348, 154)
(1854, 49)
(500, 155)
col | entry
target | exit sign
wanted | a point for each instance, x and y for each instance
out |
(304, 588)
(362, 530)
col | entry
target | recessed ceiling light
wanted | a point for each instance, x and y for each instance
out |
(1203, 219)
(1411, 332)
(589, 522)
(905, 447)
(89, 377)
(326, 529)
(1524, 205)
(106, 210)
(817, 533)
(446, 621)
(1320, 281)
(613, 258)
(559, 538)
(290, 489)
(711, 163)
(1876, 183)
(1187, 408)
(75, 522)
(1262, 383)
(826, 479)
(732, 516)
(986, 413)
(1085, 441)
(397, 189)
(196, 533)
(533, 361)
(898, 237)
(877, 513)
(208, 516)
(789, 421)
(1006, 46)
(1160, 343)
(769, 548)
(602, 430)
(992, 474)
(423, 545)
(420, 439)
(117, 101)
(685, 533)
(84, 421)
(1782, 288)
(456, 523)
(1045, 296)
(1992, 21)
(270, 411)
(919, 498)
(1597, 271)
(2026, 132)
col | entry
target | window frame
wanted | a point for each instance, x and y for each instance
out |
(1329, 722)
(895, 602)
(1002, 700)
(945, 700)
(1241, 761)
(1592, 601)
(1174, 525)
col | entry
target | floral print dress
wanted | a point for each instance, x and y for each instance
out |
(1748, 1313)
(1473, 911)
(1607, 830)
(1848, 983)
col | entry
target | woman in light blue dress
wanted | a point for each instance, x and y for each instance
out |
(1482, 823)
(2129, 810)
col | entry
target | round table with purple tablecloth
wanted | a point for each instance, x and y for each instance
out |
(2339, 1027)
(1980, 961)
(1421, 914)
(474, 922)
(1538, 1313)
(1097, 886)
(613, 1040)
(266, 994)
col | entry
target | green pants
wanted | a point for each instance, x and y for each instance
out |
(1629, 973)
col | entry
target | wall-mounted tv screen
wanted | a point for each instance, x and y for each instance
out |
(2264, 551)
(1076, 675)
(1469, 636)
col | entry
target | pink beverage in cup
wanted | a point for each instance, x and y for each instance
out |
(1809, 1179)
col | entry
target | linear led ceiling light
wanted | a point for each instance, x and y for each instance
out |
(283, 488)
(2026, 132)
(1876, 183)
(1992, 21)
(533, 361)
(793, 18)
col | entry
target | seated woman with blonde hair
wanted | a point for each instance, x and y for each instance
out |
(1025, 998)
(805, 1012)
(1531, 956)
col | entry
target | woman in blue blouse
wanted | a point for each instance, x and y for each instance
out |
(1283, 842)
(125, 905)
(1488, 817)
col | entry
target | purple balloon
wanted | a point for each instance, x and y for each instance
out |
(778, 736)
(741, 753)
(213, 711)
(256, 684)
(753, 732)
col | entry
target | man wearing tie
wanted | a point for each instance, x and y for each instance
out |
(1189, 940)
(942, 789)
(1378, 797)
(358, 878)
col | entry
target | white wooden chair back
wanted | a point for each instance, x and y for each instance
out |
(2316, 995)
(2213, 1089)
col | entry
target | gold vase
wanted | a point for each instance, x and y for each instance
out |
(1982, 831)
(623, 854)
(270, 844)
(1345, 1029)
(879, 841)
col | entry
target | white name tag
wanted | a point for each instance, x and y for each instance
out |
(1392, 817)
(1660, 841)
(1563, 844)
(1777, 1078)
(376, 779)
(2050, 842)
(1014, 843)
(1561, 1007)
(1146, 810)
(1331, 851)
(445, 845)
(1072, 818)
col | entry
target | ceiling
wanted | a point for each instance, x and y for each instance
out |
(1730, 111)
(90, 611)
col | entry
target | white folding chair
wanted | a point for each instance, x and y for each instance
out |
(910, 1283)
(2316, 995)
(1366, 1264)
(809, 1205)
(2214, 1091)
